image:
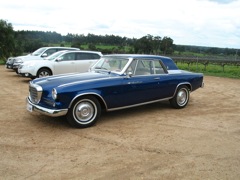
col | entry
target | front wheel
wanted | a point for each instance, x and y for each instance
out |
(84, 112)
(43, 72)
(181, 98)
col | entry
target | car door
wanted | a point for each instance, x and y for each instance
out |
(143, 85)
(65, 63)
(149, 82)
(84, 60)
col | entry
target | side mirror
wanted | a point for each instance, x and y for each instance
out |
(58, 59)
(44, 55)
(129, 74)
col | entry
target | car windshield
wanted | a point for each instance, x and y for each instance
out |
(54, 55)
(38, 51)
(110, 64)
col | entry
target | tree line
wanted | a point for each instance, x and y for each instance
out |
(14, 43)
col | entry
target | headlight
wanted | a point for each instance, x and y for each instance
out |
(18, 61)
(54, 93)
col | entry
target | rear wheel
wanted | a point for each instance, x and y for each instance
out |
(44, 72)
(84, 112)
(181, 98)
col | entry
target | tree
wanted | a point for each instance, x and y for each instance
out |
(167, 45)
(144, 45)
(92, 47)
(157, 44)
(7, 43)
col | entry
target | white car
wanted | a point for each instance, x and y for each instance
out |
(59, 63)
(39, 54)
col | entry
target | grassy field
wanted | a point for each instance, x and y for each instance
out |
(213, 70)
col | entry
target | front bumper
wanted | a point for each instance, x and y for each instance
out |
(26, 72)
(15, 67)
(49, 112)
(26, 75)
(9, 66)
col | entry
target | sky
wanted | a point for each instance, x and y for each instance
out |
(212, 23)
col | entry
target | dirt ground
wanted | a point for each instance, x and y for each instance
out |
(201, 141)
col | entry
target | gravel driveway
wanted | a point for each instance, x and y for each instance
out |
(201, 141)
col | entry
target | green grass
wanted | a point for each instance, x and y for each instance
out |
(229, 71)
(2, 62)
(98, 46)
(189, 54)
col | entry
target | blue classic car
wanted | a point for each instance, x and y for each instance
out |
(114, 82)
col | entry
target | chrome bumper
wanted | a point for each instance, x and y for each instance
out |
(45, 111)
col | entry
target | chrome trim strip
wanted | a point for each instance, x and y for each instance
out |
(164, 99)
(46, 111)
(135, 105)
(140, 104)
(184, 83)
(90, 93)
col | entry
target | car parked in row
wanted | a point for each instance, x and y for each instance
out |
(59, 63)
(114, 82)
(9, 63)
(14, 62)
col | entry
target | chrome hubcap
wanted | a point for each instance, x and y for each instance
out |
(84, 111)
(182, 97)
(43, 74)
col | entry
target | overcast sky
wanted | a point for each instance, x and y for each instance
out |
(214, 23)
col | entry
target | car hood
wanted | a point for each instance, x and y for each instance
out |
(69, 79)
(29, 57)
(33, 62)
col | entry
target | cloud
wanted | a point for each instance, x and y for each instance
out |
(223, 1)
(190, 22)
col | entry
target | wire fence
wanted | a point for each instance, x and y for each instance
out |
(222, 61)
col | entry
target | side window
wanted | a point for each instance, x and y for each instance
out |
(65, 49)
(95, 56)
(87, 56)
(145, 67)
(157, 68)
(62, 49)
(67, 57)
(50, 51)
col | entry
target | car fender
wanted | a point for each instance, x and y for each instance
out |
(43, 65)
(183, 83)
(94, 93)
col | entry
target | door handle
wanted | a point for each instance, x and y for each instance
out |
(157, 78)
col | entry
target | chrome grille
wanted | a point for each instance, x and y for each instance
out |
(35, 93)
